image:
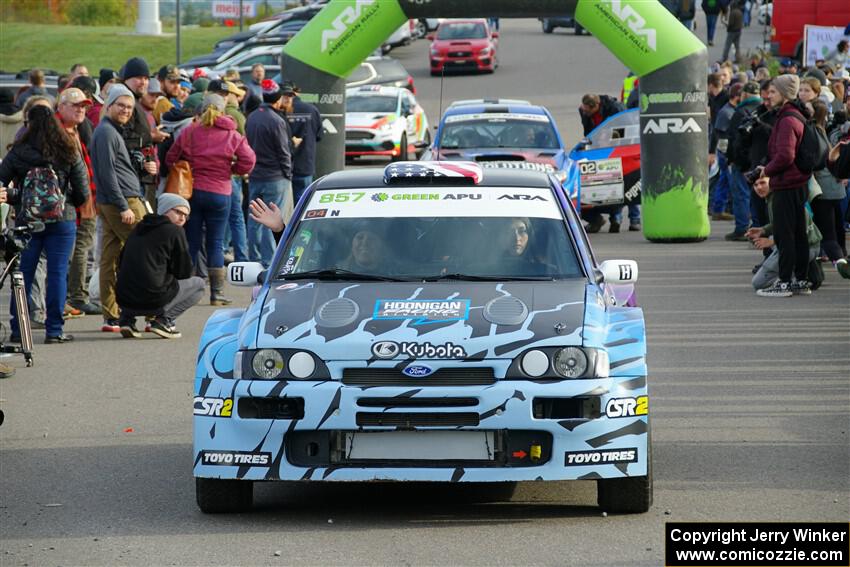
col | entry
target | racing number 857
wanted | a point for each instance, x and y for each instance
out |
(341, 197)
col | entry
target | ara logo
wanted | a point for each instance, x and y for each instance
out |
(520, 197)
(629, 16)
(417, 371)
(346, 18)
(671, 126)
(385, 349)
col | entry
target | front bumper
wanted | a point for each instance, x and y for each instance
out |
(370, 143)
(527, 437)
(470, 63)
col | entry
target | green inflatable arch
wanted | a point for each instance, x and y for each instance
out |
(670, 61)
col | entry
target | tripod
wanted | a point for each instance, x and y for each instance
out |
(13, 256)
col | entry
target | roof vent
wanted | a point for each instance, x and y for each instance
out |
(505, 310)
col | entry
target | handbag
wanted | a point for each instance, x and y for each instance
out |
(180, 180)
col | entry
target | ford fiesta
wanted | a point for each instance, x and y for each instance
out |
(384, 121)
(430, 321)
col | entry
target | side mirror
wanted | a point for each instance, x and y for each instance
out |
(431, 36)
(618, 271)
(583, 144)
(245, 274)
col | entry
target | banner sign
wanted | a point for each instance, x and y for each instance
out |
(230, 8)
(819, 41)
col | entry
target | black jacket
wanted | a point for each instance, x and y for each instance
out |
(154, 257)
(608, 107)
(137, 138)
(73, 177)
(738, 150)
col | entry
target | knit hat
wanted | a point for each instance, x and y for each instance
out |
(115, 91)
(787, 85)
(214, 100)
(271, 91)
(168, 201)
(154, 87)
(200, 85)
(135, 67)
(819, 75)
(191, 104)
(105, 76)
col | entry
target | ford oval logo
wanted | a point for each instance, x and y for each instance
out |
(417, 371)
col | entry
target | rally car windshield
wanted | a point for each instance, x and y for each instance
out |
(498, 132)
(490, 235)
(462, 31)
(371, 103)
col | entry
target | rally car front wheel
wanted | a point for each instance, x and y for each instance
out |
(217, 496)
(627, 495)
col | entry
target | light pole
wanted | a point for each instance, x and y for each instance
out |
(177, 23)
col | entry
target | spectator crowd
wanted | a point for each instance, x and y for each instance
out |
(93, 167)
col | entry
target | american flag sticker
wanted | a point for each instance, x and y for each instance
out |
(404, 170)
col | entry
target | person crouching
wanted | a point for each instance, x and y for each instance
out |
(155, 274)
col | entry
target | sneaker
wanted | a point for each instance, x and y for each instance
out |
(72, 312)
(801, 288)
(615, 227)
(778, 289)
(722, 216)
(843, 268)
(129, 330)
(87, 308)
(36, 324)
(594, 226)
(111, 326)
(165, 328)
(634, 227)
(58, 339)
(736, 237)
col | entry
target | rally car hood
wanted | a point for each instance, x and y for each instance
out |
(352, 321)
(367, 119)
(547, 161)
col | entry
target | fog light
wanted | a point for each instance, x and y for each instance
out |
(535, 363)
(302, 365)
(570, 362)
(267, 363)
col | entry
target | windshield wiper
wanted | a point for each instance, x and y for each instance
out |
(475, 278)
(338, 274)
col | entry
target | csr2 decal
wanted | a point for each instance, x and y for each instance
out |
(627, 407)
(389, 349)
(423, 310)
(213, 407)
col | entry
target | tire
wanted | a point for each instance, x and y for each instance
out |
(217, 496)
(547, 26)
(402, 149)
(426, 143)
(421, 29)
(579, 30)
(628, 495)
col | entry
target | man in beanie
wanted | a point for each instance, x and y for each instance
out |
(788, 186)
(271, 179)
(155, 278)
(119, 197)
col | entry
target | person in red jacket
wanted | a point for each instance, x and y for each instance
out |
(215, 151)
(788, 185)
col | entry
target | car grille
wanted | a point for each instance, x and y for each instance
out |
(402, 402)
(472, 376)
(460, 54)
(358, 135)
(449, 419)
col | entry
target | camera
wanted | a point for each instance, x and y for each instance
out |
(752, 175)
(137, 158)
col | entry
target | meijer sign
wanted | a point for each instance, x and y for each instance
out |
(230, 8)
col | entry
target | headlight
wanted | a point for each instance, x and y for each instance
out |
(301, 365)
(435, 53)
(385, 127)
(570, 362)
(484, 52)
(267, 363)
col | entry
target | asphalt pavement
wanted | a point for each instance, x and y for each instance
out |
(750, 406)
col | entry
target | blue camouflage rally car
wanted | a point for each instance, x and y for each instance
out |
(430, 321)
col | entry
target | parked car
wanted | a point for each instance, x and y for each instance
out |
(375, 70)
(384, 121)
(464, 45)
(549, 24)
(304, 14)
(267, 55)
(427, 322)
(404, 35)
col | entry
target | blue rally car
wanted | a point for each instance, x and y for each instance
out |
(429, 321)
(505, 134)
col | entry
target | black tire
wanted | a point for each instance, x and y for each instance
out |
(628, 495)
(579, 30)
(421, 28)
(547, 26)
(218, 496)
(402, 149)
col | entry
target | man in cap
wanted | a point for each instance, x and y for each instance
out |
(119, 198)
(268, 135)
(305, 123)
(71, 112)
(155, 278)
(169, 80)
(788, 188)
(737, 154)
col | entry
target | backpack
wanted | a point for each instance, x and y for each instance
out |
(42, 197)
(813, 148)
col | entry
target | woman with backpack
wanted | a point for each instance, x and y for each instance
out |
(215, 151)
(50, 181)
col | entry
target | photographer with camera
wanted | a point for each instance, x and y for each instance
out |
(50, 180)
(738, 155)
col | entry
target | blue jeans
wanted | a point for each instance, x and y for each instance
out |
(209, 210)
(710, 25)
(740, 200)
(721, 187)
(236, 222)
(57, 241)
(261, 242)
(634, 214)
(299, 185)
